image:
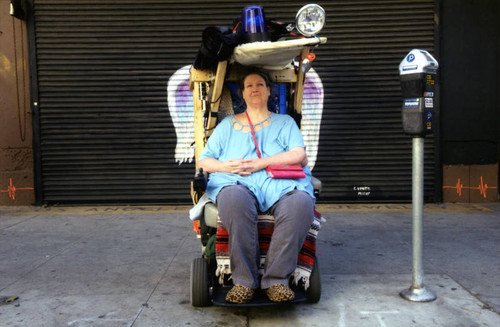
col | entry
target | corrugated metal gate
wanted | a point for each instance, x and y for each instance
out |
(107, 133)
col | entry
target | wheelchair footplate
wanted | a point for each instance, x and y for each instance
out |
(260, 298)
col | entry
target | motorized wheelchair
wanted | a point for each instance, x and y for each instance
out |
(213, 98)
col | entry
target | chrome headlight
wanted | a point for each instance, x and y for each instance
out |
(310, 19)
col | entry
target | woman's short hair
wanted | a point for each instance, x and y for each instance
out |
(256, 71)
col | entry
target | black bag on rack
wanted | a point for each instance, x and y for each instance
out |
(218, 43)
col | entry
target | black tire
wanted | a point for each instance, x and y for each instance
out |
(200, 292)
(313, 292)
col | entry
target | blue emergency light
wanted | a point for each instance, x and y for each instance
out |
(254, 24)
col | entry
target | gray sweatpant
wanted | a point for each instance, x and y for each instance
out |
(293, 216)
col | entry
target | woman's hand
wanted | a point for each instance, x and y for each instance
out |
(242, 167)
(238, 166)
(249, 166)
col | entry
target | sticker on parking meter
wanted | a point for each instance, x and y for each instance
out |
(412, 103)
(410, 67)
(428, 120)
(410, 57)
(429, 103)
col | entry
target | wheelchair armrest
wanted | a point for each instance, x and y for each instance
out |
(317, 186)
(211, 214)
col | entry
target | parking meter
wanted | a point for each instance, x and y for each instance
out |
(418, 78)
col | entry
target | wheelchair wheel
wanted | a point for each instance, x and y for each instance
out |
(313, 292)
(200, 292)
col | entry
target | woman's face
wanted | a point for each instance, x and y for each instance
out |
(255, 90)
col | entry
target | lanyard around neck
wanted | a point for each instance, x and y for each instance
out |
(253, 134)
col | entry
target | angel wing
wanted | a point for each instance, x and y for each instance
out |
(180, 105)
(312, 111)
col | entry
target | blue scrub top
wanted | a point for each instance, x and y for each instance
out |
(227, 142)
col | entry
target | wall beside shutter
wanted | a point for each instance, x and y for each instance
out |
(108, 129)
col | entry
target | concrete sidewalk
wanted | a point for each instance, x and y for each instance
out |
(129, 266)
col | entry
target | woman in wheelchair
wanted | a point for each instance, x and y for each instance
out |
(241, 187)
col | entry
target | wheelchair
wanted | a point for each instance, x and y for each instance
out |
(213, 99)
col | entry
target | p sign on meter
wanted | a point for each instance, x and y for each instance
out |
(418, 78)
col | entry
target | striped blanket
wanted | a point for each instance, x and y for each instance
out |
(305, 261)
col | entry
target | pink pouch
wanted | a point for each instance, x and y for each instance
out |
(285, 171)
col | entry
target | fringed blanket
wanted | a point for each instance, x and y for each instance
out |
(305, 261)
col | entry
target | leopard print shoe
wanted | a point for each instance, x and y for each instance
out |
(280, 293)
(239, 294)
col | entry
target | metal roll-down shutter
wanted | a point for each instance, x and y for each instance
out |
(108, 135)
(363, 154)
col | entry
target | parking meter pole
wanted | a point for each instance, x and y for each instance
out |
(417, 71)
(418, 292)
(417, 210)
